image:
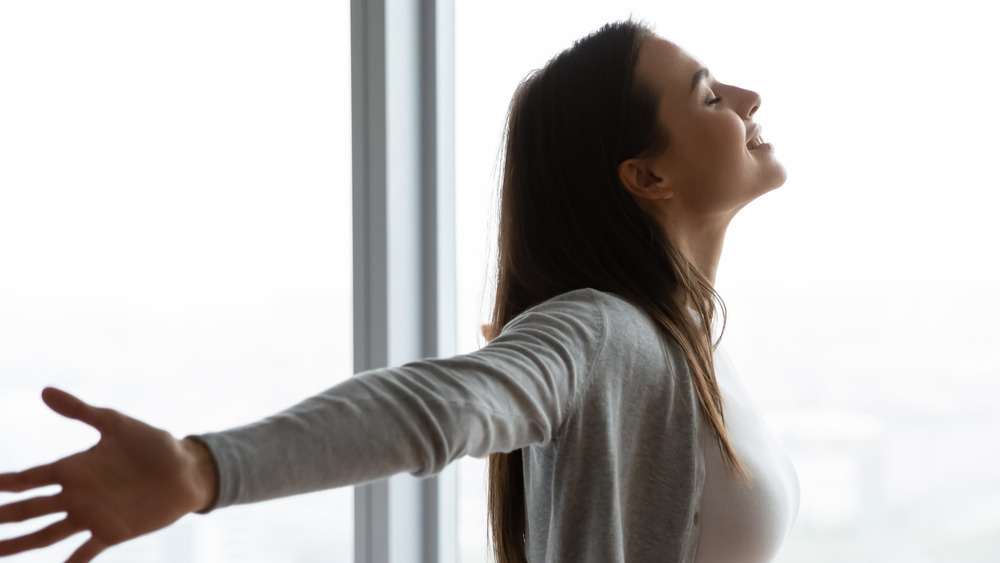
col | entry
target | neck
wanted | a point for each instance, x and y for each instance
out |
(701, 240)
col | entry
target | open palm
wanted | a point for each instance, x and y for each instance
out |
(135, 480)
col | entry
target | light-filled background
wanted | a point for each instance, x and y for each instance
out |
(863, 295)
(175, 241)
(175, 238)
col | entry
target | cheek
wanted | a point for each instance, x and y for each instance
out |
(718, 168)
(718, 150)
(727, 136)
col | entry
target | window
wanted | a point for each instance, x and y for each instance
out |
(862, 294)
(175, 234)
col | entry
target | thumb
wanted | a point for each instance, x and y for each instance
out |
(69, 406)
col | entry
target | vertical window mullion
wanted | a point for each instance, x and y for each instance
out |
(403, 244)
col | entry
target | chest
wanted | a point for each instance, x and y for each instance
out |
(744, 522)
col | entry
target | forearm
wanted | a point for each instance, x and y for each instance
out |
(347, 435)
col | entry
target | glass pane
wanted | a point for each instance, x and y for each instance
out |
(175, 234)
(862, 294)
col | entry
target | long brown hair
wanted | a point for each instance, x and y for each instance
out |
(566, 222)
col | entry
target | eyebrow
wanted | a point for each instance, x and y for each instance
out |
(698, 77)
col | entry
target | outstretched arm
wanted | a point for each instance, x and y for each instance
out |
(417, 418)
(135, 480)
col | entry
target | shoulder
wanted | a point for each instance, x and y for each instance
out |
(578, 315)
(589, 314)
(585, 305)
(617, 312)
(619, 331)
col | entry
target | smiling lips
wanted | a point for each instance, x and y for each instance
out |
(755, 139)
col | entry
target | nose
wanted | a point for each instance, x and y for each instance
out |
(752, 103)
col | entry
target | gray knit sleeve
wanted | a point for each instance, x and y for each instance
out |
(419, 417)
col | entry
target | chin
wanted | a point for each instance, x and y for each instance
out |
(772, 183)
(776, 179)
(782, 174)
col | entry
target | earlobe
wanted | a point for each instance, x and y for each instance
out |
(642, 182)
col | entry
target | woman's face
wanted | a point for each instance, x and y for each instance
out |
(714, 162)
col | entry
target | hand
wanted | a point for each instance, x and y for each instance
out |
(135, 480)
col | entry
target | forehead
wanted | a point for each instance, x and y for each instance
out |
(667, 68)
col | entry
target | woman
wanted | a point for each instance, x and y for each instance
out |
(616, 431)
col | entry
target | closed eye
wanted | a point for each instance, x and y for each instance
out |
(714, 101)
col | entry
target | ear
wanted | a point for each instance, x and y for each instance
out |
(642, 181)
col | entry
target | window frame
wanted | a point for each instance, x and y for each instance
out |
(403, 245)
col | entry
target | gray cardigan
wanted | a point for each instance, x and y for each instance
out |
(603, 407)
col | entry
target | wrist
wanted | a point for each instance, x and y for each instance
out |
(203, 474)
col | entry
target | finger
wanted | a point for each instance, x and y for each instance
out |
(28, 479)
(71, 407)
(87, 551)
(42, 538)
(28, 509)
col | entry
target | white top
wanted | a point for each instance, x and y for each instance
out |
(743, 523)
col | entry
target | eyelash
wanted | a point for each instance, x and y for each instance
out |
(714, 101)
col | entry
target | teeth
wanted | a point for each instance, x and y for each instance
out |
(755, 142)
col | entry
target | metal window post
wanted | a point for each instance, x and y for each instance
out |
(402, 91)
